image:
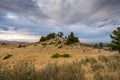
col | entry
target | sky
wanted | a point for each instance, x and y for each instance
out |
(28, 20)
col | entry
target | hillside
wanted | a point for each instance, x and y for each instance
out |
(40, 53)
(35, 62)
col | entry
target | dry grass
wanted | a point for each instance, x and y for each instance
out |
(41, 55)
(89, 68)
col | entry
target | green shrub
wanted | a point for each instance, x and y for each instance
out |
(35, 45)
(65, 55)
(56, 55)
(44, 44)
(7, 56)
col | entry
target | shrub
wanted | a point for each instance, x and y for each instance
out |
(44, 44)
(50, 43)
(35, 45)
(7, 56)
(60, 46)
(65, 55)
(56, 55)
(21, 45)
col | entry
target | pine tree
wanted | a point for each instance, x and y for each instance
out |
(115, 36)
(72, 39)
(100, 44)
(42, 38)
(60, 34)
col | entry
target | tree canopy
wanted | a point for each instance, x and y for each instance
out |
(115, 36)
(72, 39)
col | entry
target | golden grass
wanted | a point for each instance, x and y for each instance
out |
(41, 55)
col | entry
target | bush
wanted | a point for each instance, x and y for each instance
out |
(44, 44)
(35, 45)
(21, 45)
(56, 55)
(7, 56)
(60, 46)
(65, 55)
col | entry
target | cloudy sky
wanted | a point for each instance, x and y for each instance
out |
(27, 20)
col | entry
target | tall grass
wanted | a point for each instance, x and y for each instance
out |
(103, 68)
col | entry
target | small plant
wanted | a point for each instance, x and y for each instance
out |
(35, 45)
(21, 45)
(56, 55)
(65, 55)
(50, 43)
(7, 56)
(44, 43)
(60, 46)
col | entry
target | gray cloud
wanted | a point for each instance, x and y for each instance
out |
(83, 16)
(62, 12)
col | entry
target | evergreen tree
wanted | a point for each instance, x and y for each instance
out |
(60, 34)
(42, 38)
(51, 36)
(96, 45)
(100, 44)
(115, 36)
(72, 39)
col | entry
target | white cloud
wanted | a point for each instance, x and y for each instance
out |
(18, 35)
(12, 16)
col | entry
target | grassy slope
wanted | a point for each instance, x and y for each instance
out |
(41, 55)
(86, 63)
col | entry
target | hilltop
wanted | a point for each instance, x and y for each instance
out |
(40, 52)
(63, 55)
